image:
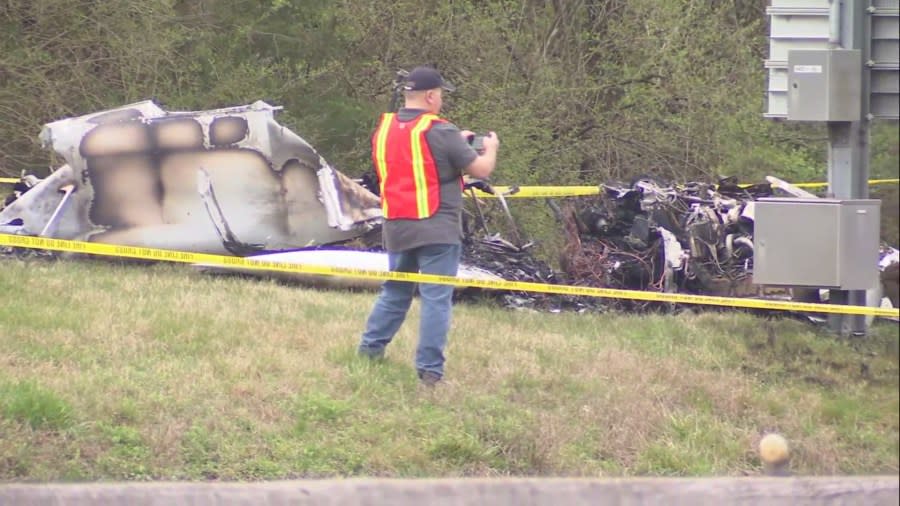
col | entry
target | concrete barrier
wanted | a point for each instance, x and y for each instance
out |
(869, 491)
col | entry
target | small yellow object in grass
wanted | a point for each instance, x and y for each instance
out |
(774, 450)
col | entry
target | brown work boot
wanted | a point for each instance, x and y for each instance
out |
(429, 379)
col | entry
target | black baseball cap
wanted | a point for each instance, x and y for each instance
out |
(426, 78)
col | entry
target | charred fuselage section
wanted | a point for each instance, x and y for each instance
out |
(132, 176)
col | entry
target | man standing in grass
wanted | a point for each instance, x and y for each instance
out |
(420, 158)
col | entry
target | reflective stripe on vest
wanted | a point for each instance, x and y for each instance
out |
(407, 173)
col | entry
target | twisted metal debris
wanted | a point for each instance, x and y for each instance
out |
(695, 238)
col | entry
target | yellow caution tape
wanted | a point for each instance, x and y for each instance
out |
(114, 250)
(568, 191)
(580, 191)
(823, 185)
(543, 191)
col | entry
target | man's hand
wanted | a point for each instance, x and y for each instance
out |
(491, 141)
(483, 165)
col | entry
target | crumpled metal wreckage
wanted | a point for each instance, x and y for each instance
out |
(694, 238)
(234, 181)
(228, 181)
(131, 177)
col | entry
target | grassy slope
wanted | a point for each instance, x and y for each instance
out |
(135, 372)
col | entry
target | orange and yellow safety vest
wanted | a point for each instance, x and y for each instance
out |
(407, 173)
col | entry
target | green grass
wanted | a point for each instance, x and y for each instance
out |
(28, 403)
(120, 371)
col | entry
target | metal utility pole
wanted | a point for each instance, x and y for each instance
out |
(848, 143)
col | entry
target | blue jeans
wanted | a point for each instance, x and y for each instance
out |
(396, 296)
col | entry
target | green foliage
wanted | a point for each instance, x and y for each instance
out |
(885, 150)
(69, 57)
(126, 456)
(579, 92)
(317, 409)
(199, 452)
(28, 402)
(694, 444)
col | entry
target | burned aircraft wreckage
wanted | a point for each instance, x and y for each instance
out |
(234, 181)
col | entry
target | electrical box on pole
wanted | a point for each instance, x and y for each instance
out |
(793, 25)
(824, 84)
(822, 243)
(797, 25)
(836, 62)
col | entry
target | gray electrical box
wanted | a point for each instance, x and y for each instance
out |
(824, 84)
(824, 243)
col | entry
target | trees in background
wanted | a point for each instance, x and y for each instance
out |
(580, 91)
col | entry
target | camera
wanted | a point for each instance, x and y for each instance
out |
(477, 142)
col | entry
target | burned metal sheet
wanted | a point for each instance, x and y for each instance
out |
(132, 177)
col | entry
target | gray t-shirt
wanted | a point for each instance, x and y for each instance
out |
(452, 154)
